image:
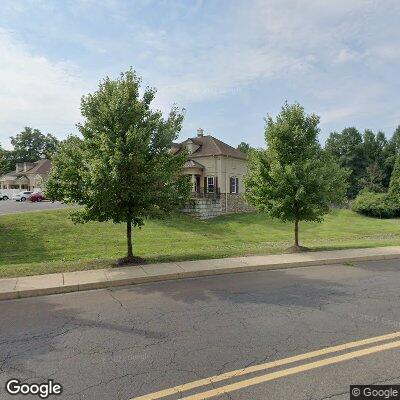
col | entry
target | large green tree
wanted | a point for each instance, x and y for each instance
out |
(370, 157)
(7, 160)
(347, 148)
(31, 145)
(375, 177)
(122, 170)
(3, 161)
(68, 171)
(294, 179)
(395, 140)
(391, 151)
(394, 187)
(244, 147)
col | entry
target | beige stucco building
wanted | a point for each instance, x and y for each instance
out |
(26, 176)
(217, 172)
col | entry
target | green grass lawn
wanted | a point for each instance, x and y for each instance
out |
(46, 242)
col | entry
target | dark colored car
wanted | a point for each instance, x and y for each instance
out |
(37, 197)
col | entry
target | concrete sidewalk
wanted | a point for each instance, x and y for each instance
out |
(39, 285)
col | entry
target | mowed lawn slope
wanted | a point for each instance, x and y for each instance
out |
(47, 242)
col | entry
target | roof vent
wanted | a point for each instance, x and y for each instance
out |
(200, 132)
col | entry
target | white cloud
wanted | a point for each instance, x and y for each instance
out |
(387, 52)
(338, 57)
(35, 91)
(227, 74)
(334, 114)
(346, 55)
(307, 43)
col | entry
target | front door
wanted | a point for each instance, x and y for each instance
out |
(197, 184)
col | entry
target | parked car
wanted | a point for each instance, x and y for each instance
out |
(22, 196)
(3, 196)
(37, 197)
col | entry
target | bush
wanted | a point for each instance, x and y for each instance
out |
(381, 205)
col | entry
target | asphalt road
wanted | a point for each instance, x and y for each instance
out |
(12, 207)
(131, 341)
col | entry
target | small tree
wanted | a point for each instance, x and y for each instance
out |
(122, 170)
(294, 179)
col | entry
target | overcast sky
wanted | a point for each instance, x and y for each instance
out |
(228, 63)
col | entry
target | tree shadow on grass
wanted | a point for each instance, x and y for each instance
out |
(20, 245)
(187, 223)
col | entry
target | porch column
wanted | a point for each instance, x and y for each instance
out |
(193, 179)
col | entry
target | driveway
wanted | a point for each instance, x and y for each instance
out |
(127, 342)
(12, 207)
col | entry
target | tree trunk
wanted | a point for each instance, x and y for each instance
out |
(296, 233)
(129, 239)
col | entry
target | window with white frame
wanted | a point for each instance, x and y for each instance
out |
(210, 184)
(234, 184)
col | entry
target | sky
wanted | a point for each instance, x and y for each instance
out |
(228, 63)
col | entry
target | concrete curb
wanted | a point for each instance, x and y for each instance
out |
(41, 285)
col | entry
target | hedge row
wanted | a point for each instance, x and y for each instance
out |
(381, 205)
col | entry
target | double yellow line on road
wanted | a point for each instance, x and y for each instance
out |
(279, 374)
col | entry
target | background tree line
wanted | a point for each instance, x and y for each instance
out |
(369, 157)
(30, 145)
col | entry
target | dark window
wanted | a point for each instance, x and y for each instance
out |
(234, 184)
(210, 184)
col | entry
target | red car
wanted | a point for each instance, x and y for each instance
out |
(37, 197)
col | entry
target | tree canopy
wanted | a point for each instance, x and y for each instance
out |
(31, 145)
(3, 161)
(294, 179)
(369, 157)
(122, 169)
(347, 148)
(244, 147)
(394, 187)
